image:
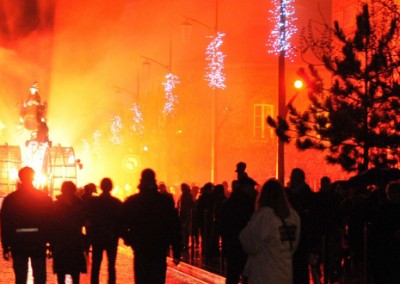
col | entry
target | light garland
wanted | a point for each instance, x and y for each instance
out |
(171, 98)
(279, 40)
(215, 58)
(116, 127)
(137, 118)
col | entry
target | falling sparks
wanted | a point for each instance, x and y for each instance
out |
(116, 128)
(171, 98)
(284, 29)
(215, 58)
(137, 119)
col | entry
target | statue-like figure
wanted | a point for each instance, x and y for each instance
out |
(33, 111)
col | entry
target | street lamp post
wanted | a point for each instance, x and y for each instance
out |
(215, 83)
(281, 93)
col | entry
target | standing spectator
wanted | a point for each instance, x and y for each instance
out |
(150, 226)
(385, 238)
(162, 188)
(246, 181)
(25, 228)
(87, 195)
(236, 212)
(195, 226)
(271, 237)
(219, 200)
(205, 213)
(185, 207)
(68, 241)
(103, 232)
(330, 221)
(303, 201)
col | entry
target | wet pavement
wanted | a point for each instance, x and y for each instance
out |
(181, 274)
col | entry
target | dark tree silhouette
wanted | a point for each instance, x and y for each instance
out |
(356, 120)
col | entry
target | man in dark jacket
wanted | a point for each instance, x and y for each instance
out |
(103, 213)
(25, 228)
(150, 226)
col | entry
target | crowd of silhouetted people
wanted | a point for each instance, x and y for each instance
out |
(263, 233)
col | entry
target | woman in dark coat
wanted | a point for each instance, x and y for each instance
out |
(68, 242)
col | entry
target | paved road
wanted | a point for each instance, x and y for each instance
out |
(124, 272)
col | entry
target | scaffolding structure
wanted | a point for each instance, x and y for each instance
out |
(52, 165)
(10, 163)
(63, 166)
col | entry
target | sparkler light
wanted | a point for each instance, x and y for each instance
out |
(215, 75)
(137, 126)
(284, 29)
(116, 127)
(171, 98)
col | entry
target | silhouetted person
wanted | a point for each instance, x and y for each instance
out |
(103, 232)
(68, 244)
(303, 200)
(236, 212)
(245, 181)
(185, 207)
(151, 226)
(330, 222)
(87, 196)
(162, 188)
(25, 225)
(219, 199)
(205, 214)
(385, 238)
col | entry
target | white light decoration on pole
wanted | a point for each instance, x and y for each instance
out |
(279, 43)
(284, 28)
(171, 98)
(116, 127)
(137, 118)
(215, 58)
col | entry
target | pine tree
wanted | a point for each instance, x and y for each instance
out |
(356, 120)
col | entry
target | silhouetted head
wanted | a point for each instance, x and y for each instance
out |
(240, 167)
(26, 175)
(148, 181)
(90, 188)
(185, 188)
(162, 187)
(297, 178)
(273, 195)
(106, 185)
(68, 188)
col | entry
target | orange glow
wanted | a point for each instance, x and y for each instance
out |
(87, 59)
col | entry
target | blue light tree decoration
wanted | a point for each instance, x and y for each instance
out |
(215, 58)
(279, 43)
